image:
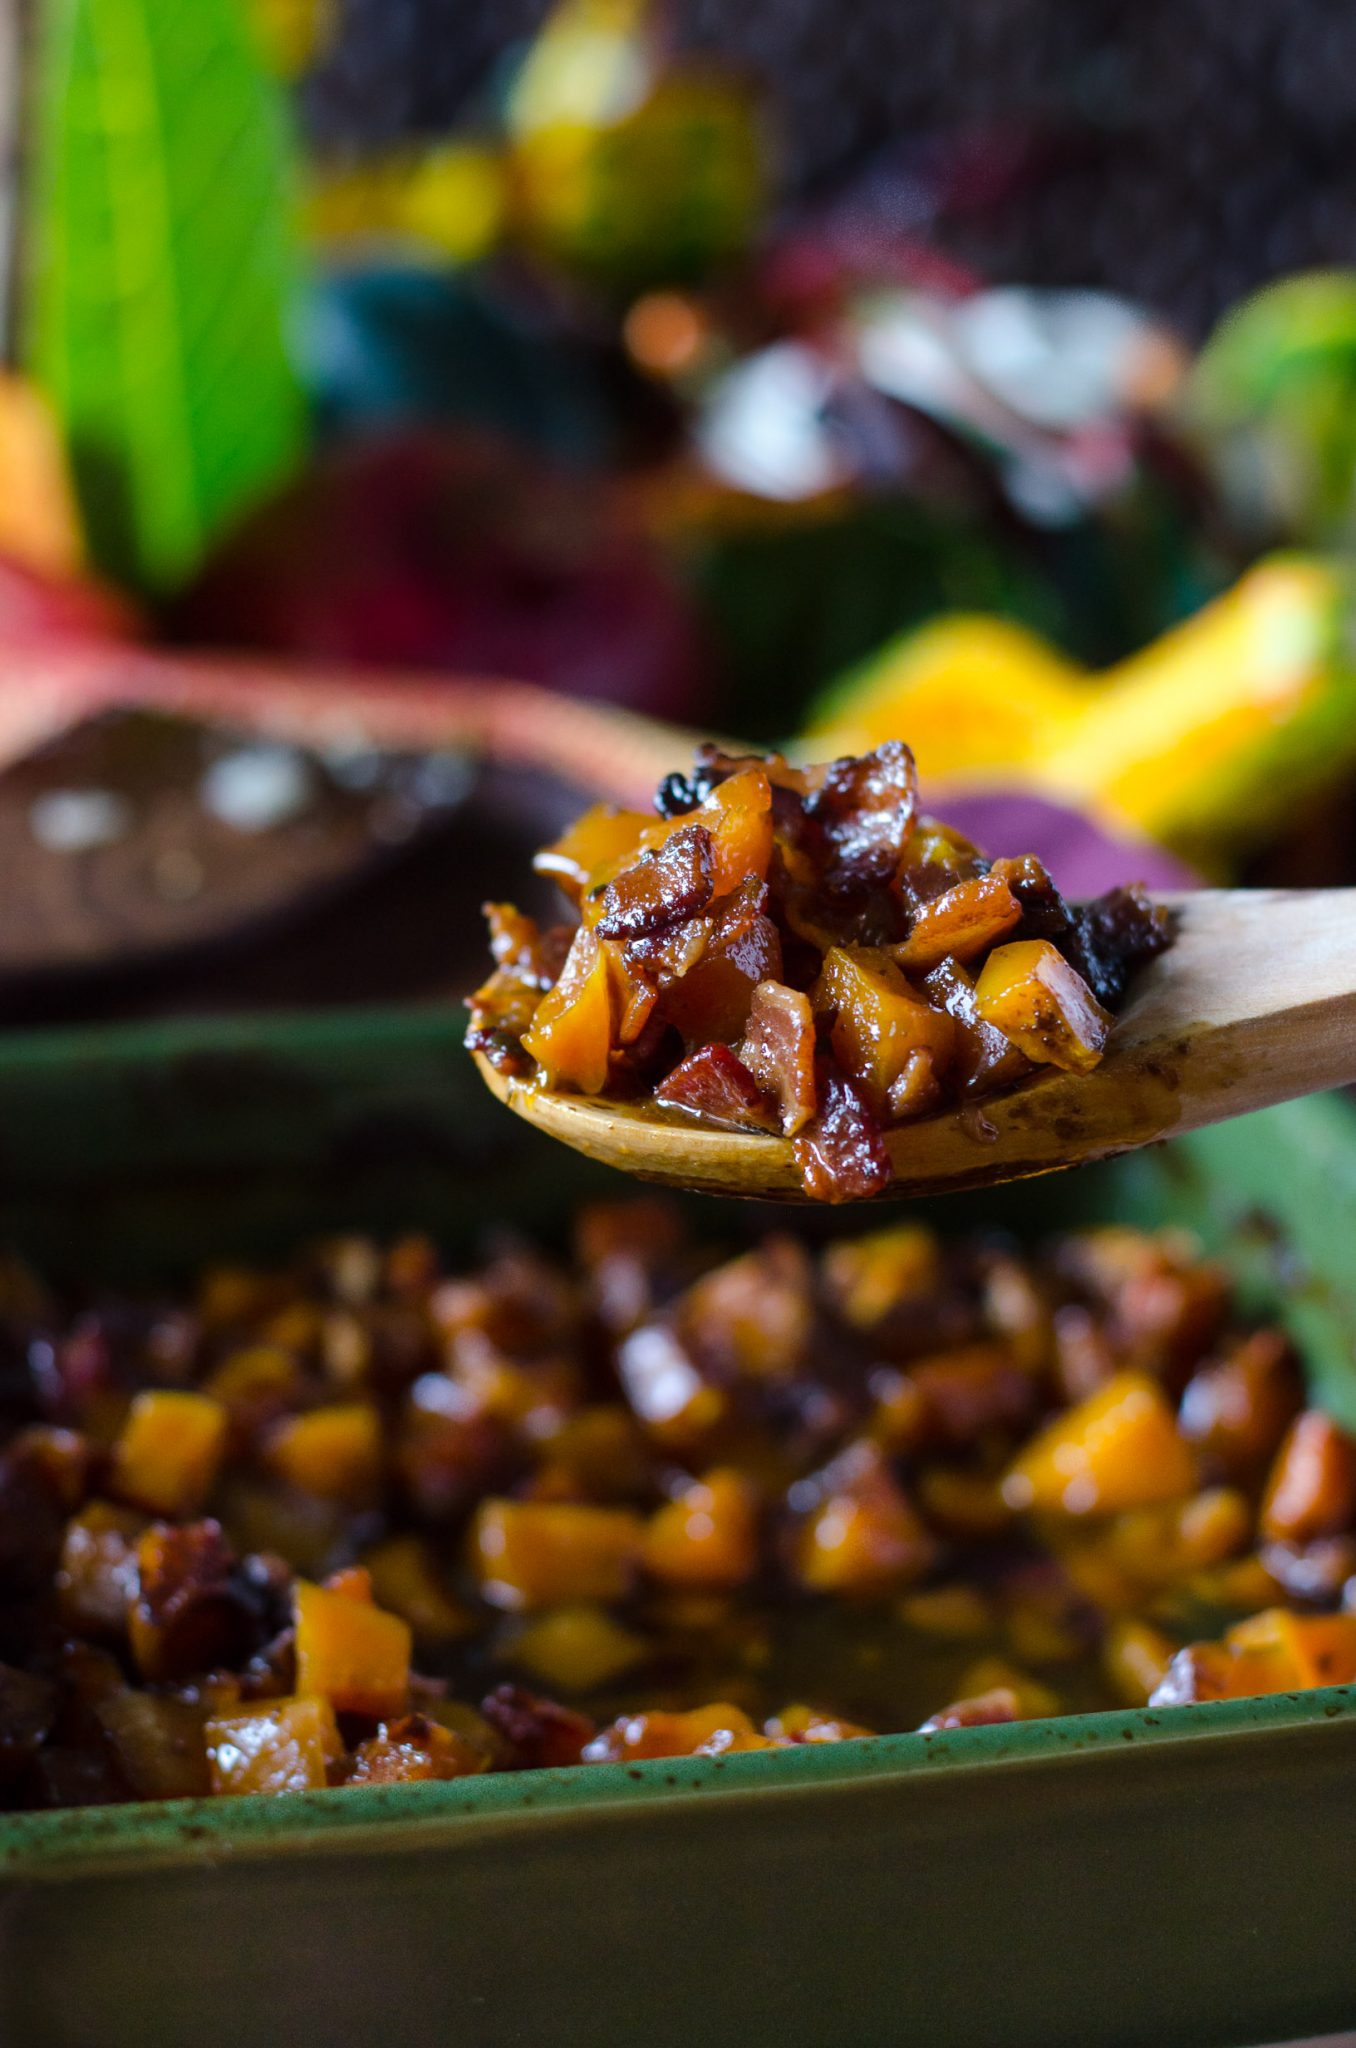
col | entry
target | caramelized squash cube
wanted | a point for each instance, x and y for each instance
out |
(959, 925)
(546, 1553)
(333, 1453)
(1311, 1491)
(718, 1730)
(1135, 1660)
(352, 1654)
(278, 1746)
(1118, 1449)
(708, 1537)
(877, 1022)
(414, 1750)
(572, 1032)
(575, 1649)
(865, 1537)
(166, 1458)
(597, 845)
(1030, 993)
(406, 1582)
(1304, 1650)
(738, 816)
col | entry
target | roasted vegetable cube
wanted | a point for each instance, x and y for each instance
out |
(708, 1535)
(352, 1654)
(1312, 1488)
(572, 1030)
(1118, 1449)
(166, 1458)
(277, 1746)
(1029, 992)
(959, 925)
(877, 1023)
(543, 1553)
(334, 1453)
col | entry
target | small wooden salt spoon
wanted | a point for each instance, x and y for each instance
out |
(1254, 1003)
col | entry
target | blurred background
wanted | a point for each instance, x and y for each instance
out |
(418, 416)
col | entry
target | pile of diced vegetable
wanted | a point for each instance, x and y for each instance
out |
(359, 1521)
(800, 950)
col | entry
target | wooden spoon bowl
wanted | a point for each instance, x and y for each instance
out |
(1255, 1003)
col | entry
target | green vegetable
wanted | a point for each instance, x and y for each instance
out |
(162, 262)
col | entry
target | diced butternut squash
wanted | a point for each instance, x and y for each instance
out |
(713, 998)
(574, 1649)
(97, 1576)
(800, 1723)
(953, 1614)
(354, 1655)
(959, 925)
(1042, 1005)
(717, 1730)
(278, 1746)
(158, 1741)
(962, 1503)
(571, 1034)
(1274, 1651)
(414, 1750)
(872, 1275)
(405, 1581)
(546, 1553)
(1312, 1488)
(1303, 1650)
(878, 1023)
(256, 1382)
(865, 1538)
(334, 1453)
(708, 1536)
(167, 1455)
(1118, 1449)
(1135, 1659)
(1155, 1546)
(599, 843)
(354, 1581)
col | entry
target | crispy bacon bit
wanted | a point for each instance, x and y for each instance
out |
(863, 811)
(539, 1733)
(841, 1151)
(712, 1000)
(713, 1083)
(192, 1611)
(662, 889)
(779, 1051)
(874, 933)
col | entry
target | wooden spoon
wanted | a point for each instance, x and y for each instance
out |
(1254, 1003)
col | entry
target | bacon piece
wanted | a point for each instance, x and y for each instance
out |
(864, 811)
(779, 1051)
(664, 888)
(841, 1151)
(713, 998)
(715, 1085)
(539, 1733)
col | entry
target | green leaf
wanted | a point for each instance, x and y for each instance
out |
(162, 264)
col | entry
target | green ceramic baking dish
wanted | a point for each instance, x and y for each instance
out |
(1180, 1877)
